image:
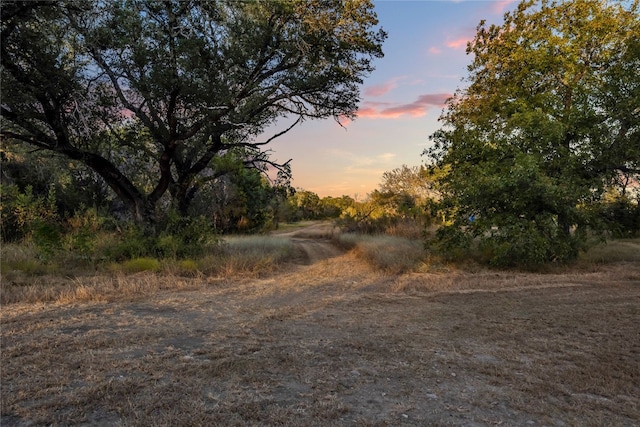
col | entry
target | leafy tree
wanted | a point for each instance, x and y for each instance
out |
(335, 206)
(548, 122)
(307, 205)
(416, 182)
(400, 204)
(166, 88)
(240, 197)
(405, 191)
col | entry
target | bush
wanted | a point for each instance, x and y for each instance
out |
(47, 236)
(622, 217)
(517, 243)
(83, 231)
(183, 237)
(22, 212)
(132, 243)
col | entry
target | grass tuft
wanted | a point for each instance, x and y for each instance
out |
(137, 265)
(623, 250)
(391, 254)
(253, 255)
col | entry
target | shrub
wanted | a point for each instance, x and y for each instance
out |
(132, 243)
(622, 217)
(183, 237)
(83, 231)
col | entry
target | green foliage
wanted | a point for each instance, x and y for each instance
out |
(43, 199)
(242, 200)
(83, 232)
(398, 207)
(530, 147)
(621, 217)
(452, 243)
(364, 217)
(307, 205)
(47, 237)
(150, 94)
(179, 237)
(131, 243)
(27, 216)
(24, 213)
(411, 186)
(526, 244)
(333, 207)
(184, 237)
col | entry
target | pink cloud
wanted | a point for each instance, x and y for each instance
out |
(382, 89)
(434, 50)
(459, 43)
(344, 121)
(417, 108)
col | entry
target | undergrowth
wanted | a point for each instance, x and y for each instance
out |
(28, 277)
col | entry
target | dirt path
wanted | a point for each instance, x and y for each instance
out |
(332, 343)
(314, 242)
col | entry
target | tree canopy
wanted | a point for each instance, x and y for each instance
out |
(548, 123)
(150, 94)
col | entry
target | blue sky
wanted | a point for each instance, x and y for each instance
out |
(424, 63)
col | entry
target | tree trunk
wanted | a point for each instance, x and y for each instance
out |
(142, 208)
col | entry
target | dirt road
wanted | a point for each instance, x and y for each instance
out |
(330, 342)
(313, 242)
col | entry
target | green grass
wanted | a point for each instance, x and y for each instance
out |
(137, 265)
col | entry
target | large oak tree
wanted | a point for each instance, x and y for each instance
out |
(149, 94)
(549, 121)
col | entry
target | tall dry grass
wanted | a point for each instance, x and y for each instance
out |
(247, 255)
(391, 254)
(26, 279)
(613, 251)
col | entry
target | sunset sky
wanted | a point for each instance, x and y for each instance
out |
(424, 63)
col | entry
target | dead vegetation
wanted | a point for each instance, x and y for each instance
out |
(330, 341)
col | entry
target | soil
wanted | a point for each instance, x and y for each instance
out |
(330, 342)
(312, 243)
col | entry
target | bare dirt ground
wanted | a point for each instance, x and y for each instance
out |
(329, 342)
(312, 243)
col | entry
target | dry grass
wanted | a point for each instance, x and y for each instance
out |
(622, 250)
(337, 342)
(391, 254)
(333, 343)
(250, 256)
(97, 288)
(409, 229)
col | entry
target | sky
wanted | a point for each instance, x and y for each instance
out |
(424, 63)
